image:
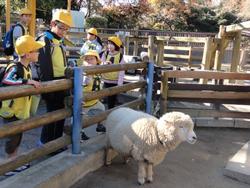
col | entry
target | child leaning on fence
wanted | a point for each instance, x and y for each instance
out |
(92, 83)
(19, 73)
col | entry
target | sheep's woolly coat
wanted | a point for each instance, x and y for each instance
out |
(140, 135)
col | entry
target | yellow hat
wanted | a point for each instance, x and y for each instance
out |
(63, 16)
(93, 53)
(92, 31)
(115, 40)
(25, 11)
(26, 44)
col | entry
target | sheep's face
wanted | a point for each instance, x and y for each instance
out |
(177, 124)
(185, 131)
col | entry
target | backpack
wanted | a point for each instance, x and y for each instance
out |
(8, 42)
(3, 70)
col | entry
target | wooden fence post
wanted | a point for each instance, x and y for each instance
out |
(126, 46)
(160, 53)
(236, 52)
(164, 92)
(135, 52)
(220, 52)
(151, 47)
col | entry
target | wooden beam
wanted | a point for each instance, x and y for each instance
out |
(26, 90)
(212, 113)
(238, 27)
(183, 39)
(7, 14)
(32, 25)
(236, 52)
(113, 68)
(13, 163)
(113, 90)
(208, 75)
(160, 53)
(180, 56)
(230, 95)
(69, 5)
(34, 122)
(151, 47)
(88, 121)
(180, 48)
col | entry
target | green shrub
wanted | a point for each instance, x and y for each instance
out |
(96, 21)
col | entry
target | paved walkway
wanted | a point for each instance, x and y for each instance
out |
(190, 166)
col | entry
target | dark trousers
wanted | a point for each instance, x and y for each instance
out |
(53, 130)
(111, 100)
(12, 142)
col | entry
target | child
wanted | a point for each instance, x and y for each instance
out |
(93, 42)
(91, 83)
(113, 56)
(19, 73)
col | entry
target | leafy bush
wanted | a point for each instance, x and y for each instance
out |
(96, 21)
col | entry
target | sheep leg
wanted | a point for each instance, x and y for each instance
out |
(149, 172)
(141, 172)
(110, 154)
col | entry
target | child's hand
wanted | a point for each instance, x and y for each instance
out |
(36, 84)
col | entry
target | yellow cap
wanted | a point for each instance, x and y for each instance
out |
(116, 40)
(26, 44)
(25, 11)
(63, 16)
(93, 53)
(92, 31)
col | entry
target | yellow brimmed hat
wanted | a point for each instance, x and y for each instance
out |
(116, 40)
(63, 16)
(25, 11)
(92, 31)
(26, 44)
(92, 53)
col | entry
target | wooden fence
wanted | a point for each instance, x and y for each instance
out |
(41, 120)
(216, 93)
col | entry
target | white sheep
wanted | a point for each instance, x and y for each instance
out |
(145, 138)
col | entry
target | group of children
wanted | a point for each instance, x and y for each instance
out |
(93, 53)
(19, 73)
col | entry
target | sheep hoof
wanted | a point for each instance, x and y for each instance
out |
(149, 180)
(141, 181)
(108, 163)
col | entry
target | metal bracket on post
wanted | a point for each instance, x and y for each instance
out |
(149, 79)
(77, 110)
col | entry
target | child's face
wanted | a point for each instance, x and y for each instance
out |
(111, 47)
(91, 37)
(33, 56)
(90, 60)
(26, 18)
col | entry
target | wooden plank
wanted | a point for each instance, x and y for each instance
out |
(214, 101)
(238, 27)
(88, 121)
(34, 122)
(160, 53)
(183, 39)
(181, 56)
(179, 86)
(208, 75)
(180, 48)
(212, 113)
(208, 94)
(113, 68)
(26, 90)
(113, 90)
(13, 163)
(151, 47)
(236, 52)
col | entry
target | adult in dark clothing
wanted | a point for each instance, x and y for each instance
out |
(51, 66)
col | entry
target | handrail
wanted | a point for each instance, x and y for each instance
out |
(26, 90)
(206, 75)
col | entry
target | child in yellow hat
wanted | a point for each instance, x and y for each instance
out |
(19, 73)
(93, 42)
(92, 83)
(113, 55)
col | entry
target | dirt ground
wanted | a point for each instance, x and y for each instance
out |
(190, 166)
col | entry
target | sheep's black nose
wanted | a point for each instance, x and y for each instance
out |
(194, 137)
